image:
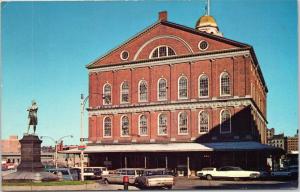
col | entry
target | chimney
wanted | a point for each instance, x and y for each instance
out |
(163, 16)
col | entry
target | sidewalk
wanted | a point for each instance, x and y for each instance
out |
(94, 186)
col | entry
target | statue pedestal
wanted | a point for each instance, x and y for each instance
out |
(30, 154)
(30, 167)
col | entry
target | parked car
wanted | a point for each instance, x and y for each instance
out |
(285, 173)
(155, 178)
(69, 174)
(94, 172)
(235, 173)
(117, 176)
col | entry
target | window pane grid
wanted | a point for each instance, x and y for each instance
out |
(107, 94)
(143, 125)
(203, 122)
(107, 127)
(225, 84)
(125, 126)
(162, 89)
(143, 91)
(125, 92)
(225, 121)
(183, 123)
(162, 130)
(183, 87)
(203, 86)
(163, 51)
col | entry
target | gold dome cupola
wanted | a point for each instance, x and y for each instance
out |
(207, 23)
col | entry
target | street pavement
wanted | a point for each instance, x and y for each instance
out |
(181, 183)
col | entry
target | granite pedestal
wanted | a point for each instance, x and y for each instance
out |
(30, 167)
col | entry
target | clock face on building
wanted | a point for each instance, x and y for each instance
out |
(203, 45)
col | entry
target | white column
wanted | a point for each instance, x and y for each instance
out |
(166, 161)
(145, 160)
(125, 162)
(188, 166)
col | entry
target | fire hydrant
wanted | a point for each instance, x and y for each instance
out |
(125, 182)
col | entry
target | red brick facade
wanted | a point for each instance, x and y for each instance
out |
(246, 102)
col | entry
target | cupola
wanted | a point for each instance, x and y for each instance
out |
(207, 23)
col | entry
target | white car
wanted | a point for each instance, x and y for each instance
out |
(235, 173)
(155, 178)
(118, 175)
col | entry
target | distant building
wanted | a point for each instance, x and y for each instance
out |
(292, 144)
(279, 141)
(10, 145)
(270, 134)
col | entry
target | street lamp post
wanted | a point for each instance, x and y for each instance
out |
(56, 143)
(82, 104)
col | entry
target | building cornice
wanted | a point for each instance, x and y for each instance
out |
(172, 60)
(178, 105)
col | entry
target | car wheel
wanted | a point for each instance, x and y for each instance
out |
(106, 181)
(169, 187)
(209, 177)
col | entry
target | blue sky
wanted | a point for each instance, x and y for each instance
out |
(46, 45)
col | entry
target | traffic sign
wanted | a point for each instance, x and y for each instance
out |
(84, 139)
(81, 147)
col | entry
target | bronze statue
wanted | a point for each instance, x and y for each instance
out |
(32, 116)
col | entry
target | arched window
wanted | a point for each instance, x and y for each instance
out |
(125, 126)
(203, 122)
(162, 124)
(225, 123)
(203, 86)
(143, 91)
(107, 127)
(182, 123)
(143, 125)
(182, 87)
(225, 84)
(162, 51)
(125, 92)
(162, 89)
(107, 94)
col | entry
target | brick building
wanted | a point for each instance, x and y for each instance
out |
(292, 144)
(174, 96)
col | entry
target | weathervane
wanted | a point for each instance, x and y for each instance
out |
(207, 7)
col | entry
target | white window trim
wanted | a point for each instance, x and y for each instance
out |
(199, 86)
(199, 132)
(103, 94)
(150, 56)
(220, 85)
(139, 96)
(187, 88)
(226, 132)
(122, 54)
(110, 127)
(139, 125)
(158, 134)
(187, 124)
(122, 102)
(200, 47)
(121, 135)
(158, 99)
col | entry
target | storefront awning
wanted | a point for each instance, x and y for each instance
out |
(174, 147)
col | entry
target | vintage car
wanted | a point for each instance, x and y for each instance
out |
(285, 173)
(155, 178)
(94, 172)
(117, 176)
(227, 172)
(68, 174)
